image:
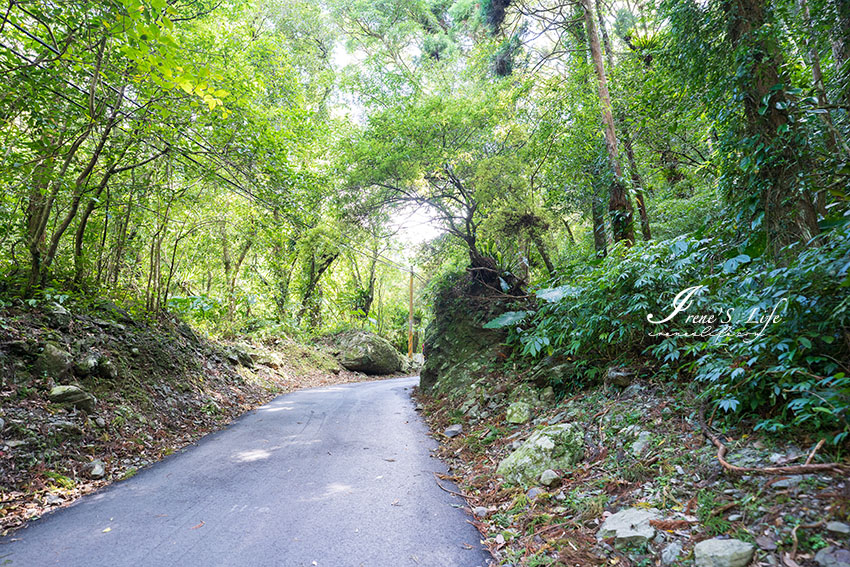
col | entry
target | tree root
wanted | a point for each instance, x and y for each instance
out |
(808, 468)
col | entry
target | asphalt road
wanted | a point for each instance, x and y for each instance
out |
(332, 477)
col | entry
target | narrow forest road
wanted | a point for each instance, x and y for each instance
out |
(335, 477)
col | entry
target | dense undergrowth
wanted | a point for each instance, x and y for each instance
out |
(760, 336)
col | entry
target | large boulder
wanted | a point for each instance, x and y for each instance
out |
(458, 349)
(367, 352)
(554, 447)
(723, 553)
(73, 396)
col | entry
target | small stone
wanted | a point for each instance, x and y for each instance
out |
(106, 369)
(723, 553)
(766, 543)
(87, 365)
(671, 553)
(74, 396)
(735, 517)
(790, 482)
(480, 512)
(833, 557)
(839, 528)
(12, 443)
(53, 499)
(518, 412)
(560, 497)
(100, 422)
(619, 376)
(66, 429)
(134, 351)
(2, 423)
(533, 493)
(95, 469)
(550, 478)
(58, 316)
(629, 526)
(453, 430)
(641, 443)
(548, 394)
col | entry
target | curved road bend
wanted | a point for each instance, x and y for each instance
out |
(331, 477)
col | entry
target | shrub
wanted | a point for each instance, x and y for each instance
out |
(790, 371)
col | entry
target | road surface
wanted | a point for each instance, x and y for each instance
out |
(331, 477)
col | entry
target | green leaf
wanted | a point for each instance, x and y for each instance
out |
(507, 319)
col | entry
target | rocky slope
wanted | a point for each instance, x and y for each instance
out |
(90, 395)
(623, 475)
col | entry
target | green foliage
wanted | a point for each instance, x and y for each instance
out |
(759, 336)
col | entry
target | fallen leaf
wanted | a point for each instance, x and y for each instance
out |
(198, 526)
(395, 502)
(107, 530)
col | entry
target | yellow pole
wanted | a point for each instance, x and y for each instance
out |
(410, 320)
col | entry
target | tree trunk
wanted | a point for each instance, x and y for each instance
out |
(618, 204)
(634, 173)
(600, 240)
(789, 212)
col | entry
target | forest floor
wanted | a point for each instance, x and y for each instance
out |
(156, 386)
(644, 449)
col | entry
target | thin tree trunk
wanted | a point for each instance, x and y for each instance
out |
(600, 240)
(634, 172)
(618, 204)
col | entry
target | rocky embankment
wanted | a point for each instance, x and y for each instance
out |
(625, 476)
(90, 396)
(626, 472)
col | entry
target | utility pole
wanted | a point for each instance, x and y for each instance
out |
(410, 320)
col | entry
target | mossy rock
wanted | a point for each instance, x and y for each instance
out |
(555, 447)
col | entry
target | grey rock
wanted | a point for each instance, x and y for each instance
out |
(367, 352)
(533, 493)
(833, 557)
(839, 528)
(548, 394)
(480, 512)
(66, 429)
(453, 430)
(549, 478)
(735, 517)
(766, 543)
(671, 553)
(518, 412)
(73, 396)
(2, 423)
(87, 365)
(619, 376)
(629, 526)
(641, 443)
(723, 553)
(53, 361)
(100, 422)
(58, 316)
(790, 482)
(553, 447)
(106, 369)
(95, 469)
(134, 351)
(560, 497)
(53, 500)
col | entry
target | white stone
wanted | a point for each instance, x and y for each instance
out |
(629, 526)
(723, 553)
